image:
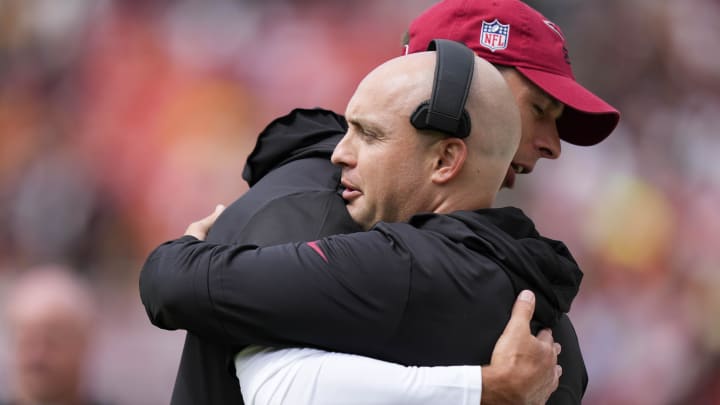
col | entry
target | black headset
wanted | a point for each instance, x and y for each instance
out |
(445, 111)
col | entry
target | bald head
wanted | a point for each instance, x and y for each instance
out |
(392, 171)
(402, 83)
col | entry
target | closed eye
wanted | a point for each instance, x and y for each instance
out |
(367, 133)
(538, 110)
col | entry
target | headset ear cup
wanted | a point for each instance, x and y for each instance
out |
(445, 111)
(419, 118)
(464, 126)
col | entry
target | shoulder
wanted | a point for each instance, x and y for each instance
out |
(301, 132)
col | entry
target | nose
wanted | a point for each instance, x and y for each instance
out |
(547, 142)
(342, 154)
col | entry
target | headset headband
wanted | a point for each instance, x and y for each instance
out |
(445, 111)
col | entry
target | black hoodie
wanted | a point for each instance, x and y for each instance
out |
(435, 291)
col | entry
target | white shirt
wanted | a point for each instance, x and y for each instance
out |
(303, 376)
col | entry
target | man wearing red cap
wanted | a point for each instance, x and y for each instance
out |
(552, 105)
(531, 52)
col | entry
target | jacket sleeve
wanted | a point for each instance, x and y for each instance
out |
(574, 378)
(302, 376)
(324, 293)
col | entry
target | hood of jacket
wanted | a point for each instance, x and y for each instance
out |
(300, 134)
(508, 237)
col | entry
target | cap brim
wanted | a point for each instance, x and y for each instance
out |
(587, 119)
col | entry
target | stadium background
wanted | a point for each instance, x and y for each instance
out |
(122, 121)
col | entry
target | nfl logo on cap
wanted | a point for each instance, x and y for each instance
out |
(494, 35)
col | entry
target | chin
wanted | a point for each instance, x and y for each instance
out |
(355, 215)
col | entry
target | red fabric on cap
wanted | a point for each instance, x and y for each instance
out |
(530, 43)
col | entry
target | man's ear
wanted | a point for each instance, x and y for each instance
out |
(450, 155)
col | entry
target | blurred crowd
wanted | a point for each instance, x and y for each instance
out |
(121, 121)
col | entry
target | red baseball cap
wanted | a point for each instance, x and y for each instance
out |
(511, 33)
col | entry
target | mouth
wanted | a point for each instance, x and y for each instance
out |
(513, 170)
(520, 168)
(349, 192)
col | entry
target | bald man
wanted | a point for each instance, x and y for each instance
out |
(50, 313)
(456, 268)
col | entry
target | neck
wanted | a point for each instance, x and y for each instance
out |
(464, 201)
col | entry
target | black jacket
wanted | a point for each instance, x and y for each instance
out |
(435, 291)
(295, 201)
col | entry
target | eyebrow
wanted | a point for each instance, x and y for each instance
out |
(362, 123)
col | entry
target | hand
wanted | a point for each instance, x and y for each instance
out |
(523, 368)
(199, 229)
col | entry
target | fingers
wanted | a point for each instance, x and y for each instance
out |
(522, 312)
(209, 220)
(556, 380)
(218, 210)
(519, 321)
(199, 229)
(546, 336)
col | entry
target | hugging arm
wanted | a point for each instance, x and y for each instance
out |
(522, 371)
(185, 275)
(286, 294)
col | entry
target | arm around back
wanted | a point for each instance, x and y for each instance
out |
(285, 294)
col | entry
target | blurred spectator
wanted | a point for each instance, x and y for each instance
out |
(51, 316)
